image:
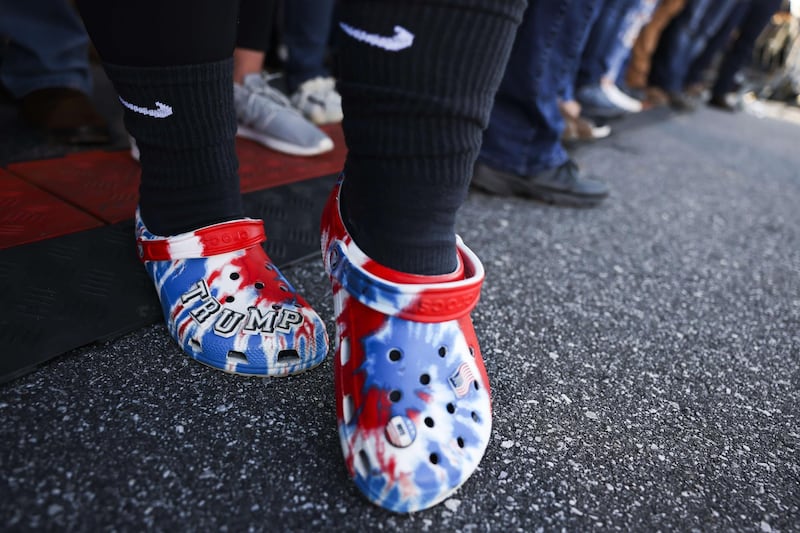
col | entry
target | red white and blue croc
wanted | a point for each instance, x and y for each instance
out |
(227, 305)
(412, 395)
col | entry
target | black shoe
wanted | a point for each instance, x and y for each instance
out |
(680, 101)
(562, 185)
(720, 102)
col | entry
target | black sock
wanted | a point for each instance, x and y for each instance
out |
(414, 119)
(183, 120)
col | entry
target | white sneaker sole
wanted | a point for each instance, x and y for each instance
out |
(320, 118)
(325, 145)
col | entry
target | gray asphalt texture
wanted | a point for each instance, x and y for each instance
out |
(643, 356)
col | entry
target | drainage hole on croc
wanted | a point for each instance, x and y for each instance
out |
(395, 396)
(348, 408)
(472, 351)
(234, 276)
(258, 285)
(283, 287)
(229, 299)
(475, 416)
(287, 357)
(236, 357)
(451, 408)
(460, 442)
(365, 462)
(442, 351)
(195, 344)
(429, 421)
(475, 384)
(434, 458)
(424, 379)
(395, 355)
(344, 351)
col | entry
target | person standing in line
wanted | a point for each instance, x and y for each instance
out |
(310, 84)
(522, 152)
(417, 83)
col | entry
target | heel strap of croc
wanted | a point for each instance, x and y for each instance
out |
(419, 302)
(204, 242)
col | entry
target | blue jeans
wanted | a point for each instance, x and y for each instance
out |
(48, 47)
(603, 40)
(572, 43)
(636, 18)
(685, 39)
(308, 29)
(759, 13)
(716, 43)
(524, 133)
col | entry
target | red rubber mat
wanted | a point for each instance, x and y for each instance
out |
(28, 214)
(53, 197)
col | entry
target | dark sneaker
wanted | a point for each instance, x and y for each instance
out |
(682, 102)
(722, 102)
(562, 185)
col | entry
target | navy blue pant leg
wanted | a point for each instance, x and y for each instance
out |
(307, 32)
(753, 23)
(524, 133)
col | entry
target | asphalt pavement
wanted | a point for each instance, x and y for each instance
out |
(644, 358)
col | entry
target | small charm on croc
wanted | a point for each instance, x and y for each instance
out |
(412, 395)
(227, 305)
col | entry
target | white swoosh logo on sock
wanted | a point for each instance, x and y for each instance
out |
(161, 110)
(401, 39)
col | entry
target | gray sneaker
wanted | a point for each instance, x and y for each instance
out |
(318, 101)
(266, 116)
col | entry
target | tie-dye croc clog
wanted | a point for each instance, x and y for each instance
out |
(412, 394)
(227, 305)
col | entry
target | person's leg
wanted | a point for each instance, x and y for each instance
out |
(48, 47)
(524, 131)
(642, 52)
(264, 114)
(713, 19)
(716, 43)
(578, 21)
(312, 88)
(306, 35)
(635, 18)
(522, 151)
(673, 55)
(253, 34)
(224, 302)
(602, 57)
(412, 395)
(413, 124)
(602, 40)
(753, 23)
(175, 87)
(565, 68)
(46, 67)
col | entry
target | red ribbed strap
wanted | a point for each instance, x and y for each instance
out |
(204, 242)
